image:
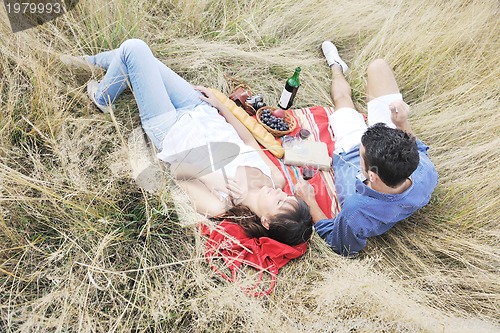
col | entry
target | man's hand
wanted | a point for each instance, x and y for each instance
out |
(399, 115)
(305, 191)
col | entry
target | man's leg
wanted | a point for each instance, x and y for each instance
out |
(348, 125)
(340, 89)
(381, 90)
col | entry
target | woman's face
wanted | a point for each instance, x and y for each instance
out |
(274, 201)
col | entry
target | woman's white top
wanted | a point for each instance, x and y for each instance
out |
(202, 127)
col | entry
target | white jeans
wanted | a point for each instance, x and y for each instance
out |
(348, 125)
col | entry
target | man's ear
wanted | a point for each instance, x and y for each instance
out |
(372, 176)
(264, 220)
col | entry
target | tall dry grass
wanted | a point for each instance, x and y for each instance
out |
(83, 249)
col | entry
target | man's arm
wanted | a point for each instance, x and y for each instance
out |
(305, 190)
(338, 232)
(399, 116)
(342, 233)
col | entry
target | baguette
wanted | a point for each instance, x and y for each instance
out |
(260, 134)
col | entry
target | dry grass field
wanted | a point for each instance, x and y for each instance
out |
(83, 249)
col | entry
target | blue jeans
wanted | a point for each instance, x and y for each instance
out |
(161, 94)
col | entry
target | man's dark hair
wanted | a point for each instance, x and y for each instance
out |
(390, 152)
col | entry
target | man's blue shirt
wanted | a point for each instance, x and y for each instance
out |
(365, 212)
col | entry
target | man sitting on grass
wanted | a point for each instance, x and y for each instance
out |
(382, 173)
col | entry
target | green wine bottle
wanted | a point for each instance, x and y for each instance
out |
(290, 90)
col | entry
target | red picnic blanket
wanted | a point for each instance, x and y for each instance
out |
(229, 242)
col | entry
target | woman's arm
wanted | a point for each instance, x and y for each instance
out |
(205, 201)
(242, 131)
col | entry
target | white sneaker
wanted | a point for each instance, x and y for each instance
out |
(91, 91)
(332, 55)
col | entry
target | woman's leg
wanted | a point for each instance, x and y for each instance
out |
(157, 89)
(102, 59)
(181, 93)
(132, 65)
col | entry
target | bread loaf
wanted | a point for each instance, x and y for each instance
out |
(260, 134)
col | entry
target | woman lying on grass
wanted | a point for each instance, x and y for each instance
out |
(183, 121)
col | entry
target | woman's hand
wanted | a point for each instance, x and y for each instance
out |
(236, 191)
(233, 194)
(223, 197)
(209, 97)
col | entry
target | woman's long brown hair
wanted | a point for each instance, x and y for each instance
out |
(292, 227)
